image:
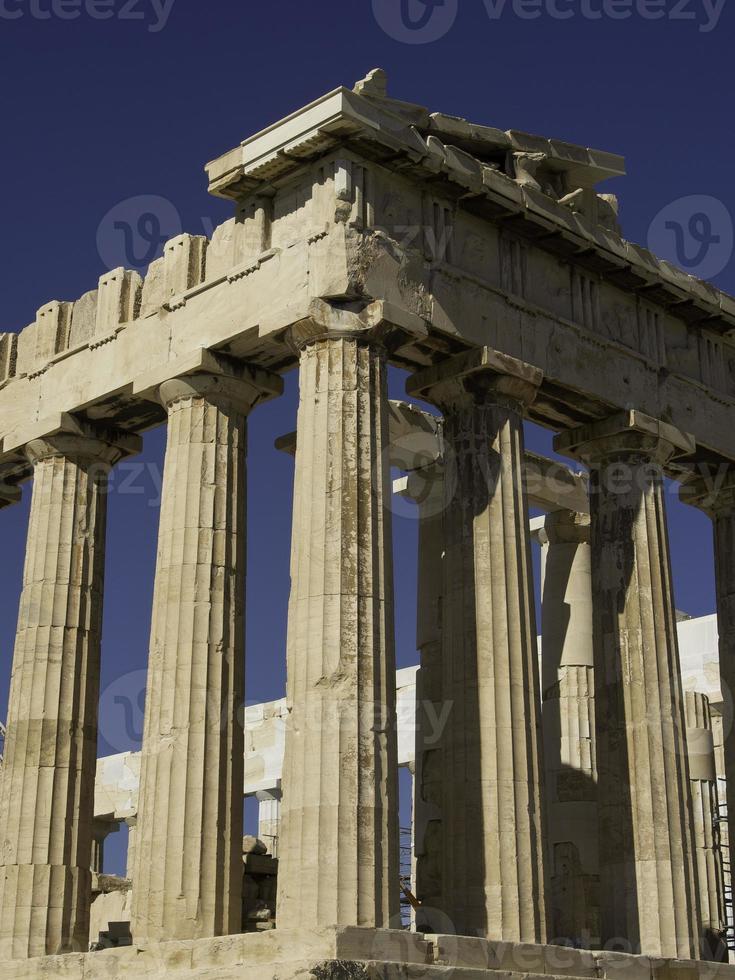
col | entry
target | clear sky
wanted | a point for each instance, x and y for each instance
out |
(107, 101)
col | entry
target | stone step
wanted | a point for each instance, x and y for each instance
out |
(356, 954)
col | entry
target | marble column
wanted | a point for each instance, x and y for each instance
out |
(647, 877)
(132, 824)
(188, 848)
(493, 834)
(339, 856)
(47, 789)
(269, 819)
(713, 491)
(703, 775)
(426, 488)
(568, 694)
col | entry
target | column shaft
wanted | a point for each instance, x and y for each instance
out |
(648, 894)
(47, 789)
(569, 727)
(427, 488)
(709, 868)
(713, 491)
(132, 825)
(724, 545)
(339, 862)
(492, 824)
(269, 820)
(188, 847)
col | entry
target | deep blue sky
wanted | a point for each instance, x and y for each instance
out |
(97, 112)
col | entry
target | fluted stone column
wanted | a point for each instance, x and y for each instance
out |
(188, 847)
(269, 819)
(703, 775)
(132, 824)
(493, 826)
(338, 851)
(647, 877)
(426, 488)
(713, 491)
(47, 790)
(568, 691)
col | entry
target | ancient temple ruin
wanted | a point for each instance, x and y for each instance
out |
(570, 811)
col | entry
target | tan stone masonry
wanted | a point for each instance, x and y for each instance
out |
(370, 234)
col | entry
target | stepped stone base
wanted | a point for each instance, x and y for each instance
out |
(356, 954)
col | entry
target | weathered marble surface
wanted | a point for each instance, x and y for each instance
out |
(357, 954)
(339, 822)
(647, 863)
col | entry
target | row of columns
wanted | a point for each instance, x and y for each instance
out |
(491, 840)
(614, 723)
(647, 883)
(484, 847)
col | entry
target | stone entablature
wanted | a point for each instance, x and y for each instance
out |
(320, 215)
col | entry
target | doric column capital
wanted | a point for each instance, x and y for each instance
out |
(222, 380)
(83, 443)
(712, 490)
(563, 527)
(240, 393)
(242, 389)
(369, 325)
(623, 435)
(274, 795)
(478, 375)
